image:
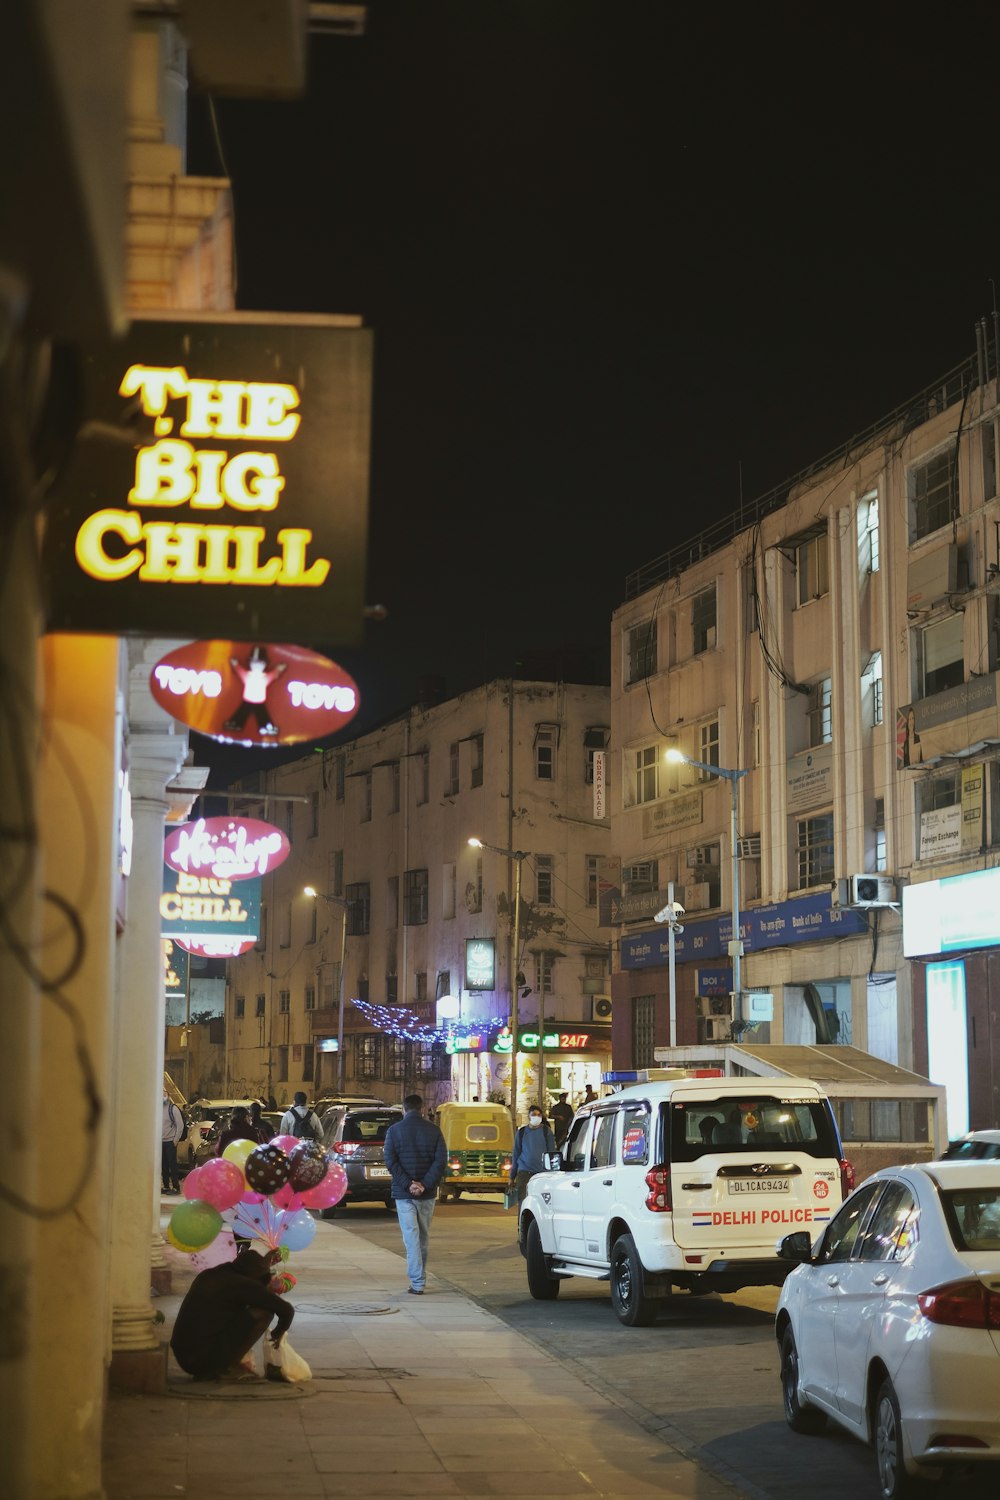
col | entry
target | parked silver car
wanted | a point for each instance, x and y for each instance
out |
(355, 1137)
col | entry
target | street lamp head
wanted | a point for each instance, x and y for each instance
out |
(476, 844)
(675, 756)
(310, 890)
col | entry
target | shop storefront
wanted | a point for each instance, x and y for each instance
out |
(951, 934)
(571, 1055)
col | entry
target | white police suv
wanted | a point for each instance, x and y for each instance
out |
(683, 1179)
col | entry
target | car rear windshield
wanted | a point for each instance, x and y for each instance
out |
(973, 1216)
(749, 1123)
(369, 1126)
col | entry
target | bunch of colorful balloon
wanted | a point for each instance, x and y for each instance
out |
(256, 1193)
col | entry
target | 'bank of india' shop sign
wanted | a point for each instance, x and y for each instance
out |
(220, 475)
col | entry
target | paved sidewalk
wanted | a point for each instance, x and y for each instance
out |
(410, 1396)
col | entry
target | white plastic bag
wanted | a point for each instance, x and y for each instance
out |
(282, 1363)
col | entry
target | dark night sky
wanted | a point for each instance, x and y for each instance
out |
(611, 252)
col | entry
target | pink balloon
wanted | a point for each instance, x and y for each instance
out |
(284, 1143)
(222, 1248)
(191, 1188)
(287, 1197)
(251, 1197)
(328, 1192)
(221, 1183)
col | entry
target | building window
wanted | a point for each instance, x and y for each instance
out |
(284, 1002)
(941, 655)
(940, 791)
(423, 777)
(366, 1056)
(704, 866)
(392, 902)
(363, 988)
(358, 897)
(339, 772)
(546, 745)
(391, 989)
(595, 738)
(430, 1060)
(544, 964)
(814, 850)
(451, 790)
(933, 493)
(312, 917)
(755, 750)
(394, 787)
(820, 712)
(708, 748)
(591, 866)
(261, 1005)
(310, 997)
(282, 1063)
(308, 1060)
(989, 433)
(647, 774)
(881, 852)
(261, 943)
(643, 1030)
(420, 981)
(337, 872)
(313, 814)
(869, 508)
(477, 760)
(285, 919)
(395, 1050)
(366, 797)
(240, 1007)
(414, 898)
(871, 682)
(703, 621)
(544, 879)
(639, 879)
(640, 646)
(812, 568)
(751, 623)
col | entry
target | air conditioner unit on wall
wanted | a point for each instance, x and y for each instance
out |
(865, 890)
(600, 1008)
(714, 1028)
(714, 1005)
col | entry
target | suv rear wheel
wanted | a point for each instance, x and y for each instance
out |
(629, 1299)
(542, 1285)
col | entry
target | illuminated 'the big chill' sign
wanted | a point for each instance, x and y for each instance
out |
(221, 467)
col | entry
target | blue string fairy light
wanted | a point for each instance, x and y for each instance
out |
(404, 1024)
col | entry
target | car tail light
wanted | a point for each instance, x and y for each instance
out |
(658, 1197)
(455, 1165)
(962, 1304)
(847, 1177)
(346, 1148)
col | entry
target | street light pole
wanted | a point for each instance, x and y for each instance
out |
(518, 856)
(337, 901)
(736, 941)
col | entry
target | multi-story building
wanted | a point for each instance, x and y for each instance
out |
(398, 973)
(836, 644)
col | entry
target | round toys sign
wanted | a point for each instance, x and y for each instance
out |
(249, 693)
(228, 848)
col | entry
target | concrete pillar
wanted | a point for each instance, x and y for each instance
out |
(20, 1088)
(77, 784)
(154, 760)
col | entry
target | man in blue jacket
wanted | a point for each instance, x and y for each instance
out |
(415, 1155)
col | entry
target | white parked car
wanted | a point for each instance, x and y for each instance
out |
(683, 1180)
(890, 1326)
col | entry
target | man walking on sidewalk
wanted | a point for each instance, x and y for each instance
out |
(173, 1132)
(415, 1155)
(531, 1142)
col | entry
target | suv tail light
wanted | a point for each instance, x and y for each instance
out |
(345, 1148)
(846, 1176)
(658, 1197)
(962, 1304)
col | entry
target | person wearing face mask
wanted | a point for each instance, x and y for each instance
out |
(531, 1142)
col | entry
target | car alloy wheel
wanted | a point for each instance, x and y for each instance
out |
(893, 1481)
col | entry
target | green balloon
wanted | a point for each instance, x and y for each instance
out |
(195, 1224)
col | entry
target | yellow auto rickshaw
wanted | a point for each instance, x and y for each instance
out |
(480, 1141)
